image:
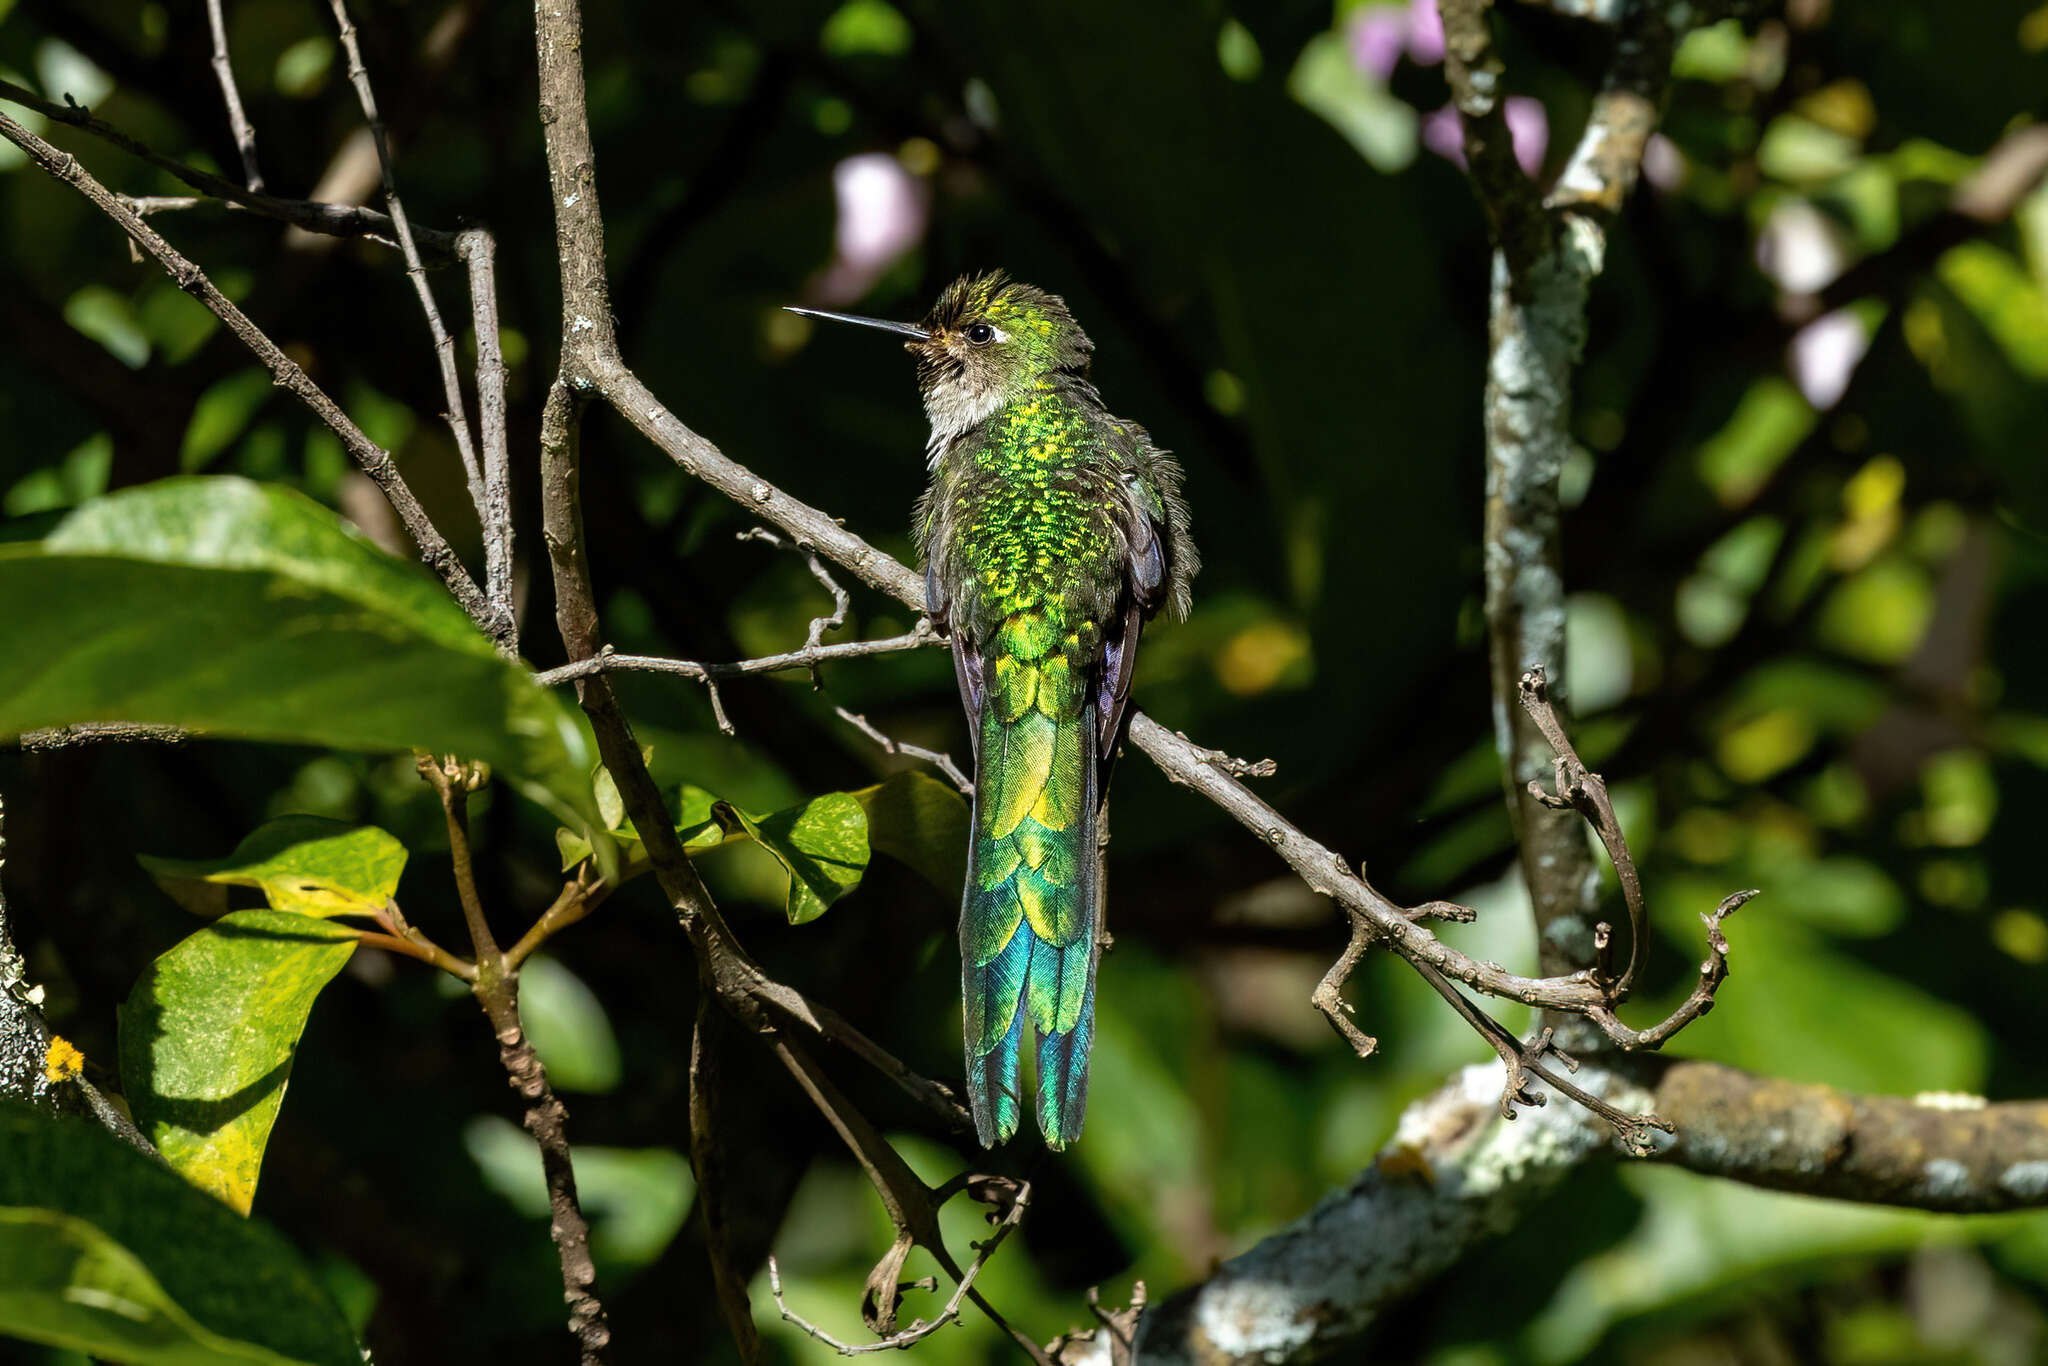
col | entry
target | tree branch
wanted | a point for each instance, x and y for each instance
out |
(224, 72)
(1455, 1173)
(456, 414)
(37, 1067)
(480, 251)
(313, 215)
(496, 988)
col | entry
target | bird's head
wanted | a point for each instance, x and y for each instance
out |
(987, 341)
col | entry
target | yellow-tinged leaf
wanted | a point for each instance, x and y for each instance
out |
(306, 864)
(208, 1035)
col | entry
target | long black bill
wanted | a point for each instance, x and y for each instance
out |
(900, 329)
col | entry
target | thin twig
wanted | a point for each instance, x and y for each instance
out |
(1579, 789)
(1329, 993)
(920, 1328)
(374, 460)
(496, 988)
(456, 414)
(841, 602)
(608, 660)
(578, 898)
(224, 72)
(890, 744)
(142, 206)
(454, 781)
(313, 215)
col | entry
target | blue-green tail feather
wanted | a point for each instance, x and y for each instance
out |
(1031, 910)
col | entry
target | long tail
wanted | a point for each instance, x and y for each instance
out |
(1033, 900)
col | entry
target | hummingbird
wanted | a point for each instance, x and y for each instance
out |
(1051, 531)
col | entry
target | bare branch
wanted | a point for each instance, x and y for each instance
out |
(456, 414)
(375, 461)
(607, 660)
(1712, 972)
(496, 988)
(479, 249)
(1586, 792)
(1936, 1151)
(1454, 1174)
(332, 220)
(943, 762)
(1019, 1200)
(224, 72)
(1329, 993)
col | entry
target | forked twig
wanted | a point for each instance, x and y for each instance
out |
(991, 1190)
(224, 72)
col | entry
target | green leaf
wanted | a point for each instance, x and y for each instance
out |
(65, 1283)
(821, 843)
(919, 821)
(696, 824)
(233, 608)
(208, 1034)
(106, 1251)
(307, 864)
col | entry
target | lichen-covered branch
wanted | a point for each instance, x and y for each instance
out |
(1455, 1173)
(1546, 253)
(37, 1067)
(1954, 1153)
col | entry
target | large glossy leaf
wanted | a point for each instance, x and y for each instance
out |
(307, 864)
(89, 1224)
(65, 1283)
(208, 1034)
(234, 608)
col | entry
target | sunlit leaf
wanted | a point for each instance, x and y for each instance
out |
(106, 1251)
(822, 844)
(239, 609)
(307, 864)
(208, 1034)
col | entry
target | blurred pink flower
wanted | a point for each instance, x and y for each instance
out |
(1379, 34)
(1378, 37)
(1663, 163)
(1443, 132)
(883, 211)
(1425, 32)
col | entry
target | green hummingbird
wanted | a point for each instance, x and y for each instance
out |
(1051, 530)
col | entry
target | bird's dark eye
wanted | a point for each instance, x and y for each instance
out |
(981, 334)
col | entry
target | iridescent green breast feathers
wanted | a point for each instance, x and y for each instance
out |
(1051, 530)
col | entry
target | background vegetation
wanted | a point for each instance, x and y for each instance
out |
(1807, 560)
